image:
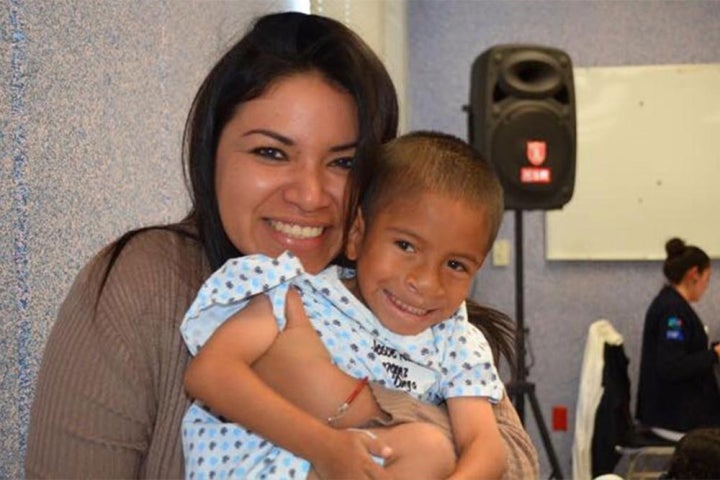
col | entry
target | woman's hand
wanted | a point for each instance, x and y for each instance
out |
(350, 456)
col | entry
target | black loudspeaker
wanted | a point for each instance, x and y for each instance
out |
(522, 118)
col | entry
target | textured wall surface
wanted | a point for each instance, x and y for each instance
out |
(561, 298)
(93, 98)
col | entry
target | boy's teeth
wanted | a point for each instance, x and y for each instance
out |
(297, 231)
(404, 306)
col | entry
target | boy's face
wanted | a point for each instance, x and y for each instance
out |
(416, 259)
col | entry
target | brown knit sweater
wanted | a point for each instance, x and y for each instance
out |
(109, 396)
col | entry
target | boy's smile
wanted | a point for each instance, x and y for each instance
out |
(416, 259)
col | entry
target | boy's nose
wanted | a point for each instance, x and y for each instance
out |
(425, 280)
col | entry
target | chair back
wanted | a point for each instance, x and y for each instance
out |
(590, 395)
(604, 426)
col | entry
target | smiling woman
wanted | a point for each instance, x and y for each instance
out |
(289, 180)
(109, 397)
(268, 142)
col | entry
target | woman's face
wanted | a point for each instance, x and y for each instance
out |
(699, 284)
(281, 168)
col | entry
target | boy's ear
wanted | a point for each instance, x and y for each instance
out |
(355, 237)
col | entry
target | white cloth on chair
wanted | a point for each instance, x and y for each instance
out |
(590, 393)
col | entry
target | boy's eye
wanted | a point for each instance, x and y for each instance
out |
(269, 153)
(457, 266)
(344, 162)
(404, 245)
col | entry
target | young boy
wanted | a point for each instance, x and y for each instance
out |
(429, 211)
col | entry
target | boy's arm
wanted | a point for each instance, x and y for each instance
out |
(482, 453)
(220, 376)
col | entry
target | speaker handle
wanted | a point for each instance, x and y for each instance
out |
(531, 74)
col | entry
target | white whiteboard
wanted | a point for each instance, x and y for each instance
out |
(648, 164)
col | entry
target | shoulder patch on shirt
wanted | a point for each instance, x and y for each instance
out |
(674, 329)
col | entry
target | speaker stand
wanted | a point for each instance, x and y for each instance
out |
(519, 387)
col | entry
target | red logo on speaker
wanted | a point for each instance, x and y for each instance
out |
(535, 175)
(536, 152)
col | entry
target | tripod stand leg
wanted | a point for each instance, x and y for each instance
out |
(556, 472)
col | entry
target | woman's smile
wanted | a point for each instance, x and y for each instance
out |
(295, 230)
(282, 165)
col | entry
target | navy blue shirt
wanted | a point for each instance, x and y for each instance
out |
(677, 388)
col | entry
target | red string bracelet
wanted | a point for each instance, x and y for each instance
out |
(346, 404)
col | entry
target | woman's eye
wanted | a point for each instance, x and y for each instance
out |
(344, 162)
(404, 246)
(269, 153)
(457, 266)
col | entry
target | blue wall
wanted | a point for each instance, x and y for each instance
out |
(561, 298)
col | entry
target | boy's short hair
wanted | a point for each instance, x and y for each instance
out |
(426, 161)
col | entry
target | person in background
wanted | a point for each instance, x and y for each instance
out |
(696, 456)
(429, 214)
(677, 390)
(304, 95)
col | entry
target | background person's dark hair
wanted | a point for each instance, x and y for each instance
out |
(696, 456)
(681, 258)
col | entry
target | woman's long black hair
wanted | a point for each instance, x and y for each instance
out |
(276, 46)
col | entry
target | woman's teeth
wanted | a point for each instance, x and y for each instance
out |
(296, 231)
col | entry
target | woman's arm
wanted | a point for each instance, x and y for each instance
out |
(109, 398)
(681, 354)
(522, 459)
(477, 438)
(83, 422)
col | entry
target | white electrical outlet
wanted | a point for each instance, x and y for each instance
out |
(501, 253)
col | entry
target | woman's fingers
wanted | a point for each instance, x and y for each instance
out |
(356, 454)
(375, 445)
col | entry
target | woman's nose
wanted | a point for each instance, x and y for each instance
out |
(308, 189)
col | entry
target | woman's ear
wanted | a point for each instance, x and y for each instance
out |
(693, 274)
(355, 237)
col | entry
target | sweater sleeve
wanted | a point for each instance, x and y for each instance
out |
(522, 459)
(108, 399)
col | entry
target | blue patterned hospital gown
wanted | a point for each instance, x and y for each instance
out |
(451, 359)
